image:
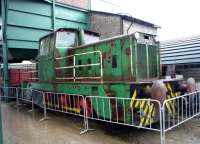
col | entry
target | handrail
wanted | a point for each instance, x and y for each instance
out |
(30, 69)
(74, 66)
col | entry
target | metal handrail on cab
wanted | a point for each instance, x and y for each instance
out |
(82, 65)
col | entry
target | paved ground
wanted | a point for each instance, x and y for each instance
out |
(22, 127)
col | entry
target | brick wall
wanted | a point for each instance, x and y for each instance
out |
(78, 3)
(106, 25)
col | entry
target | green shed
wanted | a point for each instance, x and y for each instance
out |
(25, 21)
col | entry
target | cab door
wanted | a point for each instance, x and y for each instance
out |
(46, 60)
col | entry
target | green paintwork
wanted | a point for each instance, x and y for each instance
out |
(119, 80)
(144, 60)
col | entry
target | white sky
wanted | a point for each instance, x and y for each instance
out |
(177, 18)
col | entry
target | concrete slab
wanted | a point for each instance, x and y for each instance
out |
(22, 127)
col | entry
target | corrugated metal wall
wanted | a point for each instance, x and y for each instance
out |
(184, 54)
(181, 51)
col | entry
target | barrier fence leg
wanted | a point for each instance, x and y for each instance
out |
(6, 93)
(44, 109)
(20, 95)
(0, 94)
(86, 123)
(32, 103)
(162, 125)
(17, 97)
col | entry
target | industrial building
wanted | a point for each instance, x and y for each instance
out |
(111, 24)
(182, 54)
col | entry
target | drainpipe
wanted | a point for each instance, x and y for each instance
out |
(4, 44)
(5, 59)
(81, 39)
(53, 14)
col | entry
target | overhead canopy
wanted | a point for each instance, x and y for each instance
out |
(29, 20)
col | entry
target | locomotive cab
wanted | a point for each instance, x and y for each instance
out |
(64, 39)
(56, 44)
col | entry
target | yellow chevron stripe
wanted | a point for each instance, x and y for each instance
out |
(133, 98)
(154, 112)
(149, 116)
(145, 112)
(172, 103)
(169, 87)
(142, 104)
(168, 108)
(137, 104)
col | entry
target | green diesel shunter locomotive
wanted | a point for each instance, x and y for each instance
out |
(75, 61)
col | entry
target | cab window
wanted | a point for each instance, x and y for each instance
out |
(44, 46)
(47, 45)
(90, 38)
(65, 39)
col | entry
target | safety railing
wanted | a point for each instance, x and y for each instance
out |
(140, 113)
(59, 102)
(75, 66)
(179, 110)
(29, 72)
(8, 93)
(24, 72)
(64, 103)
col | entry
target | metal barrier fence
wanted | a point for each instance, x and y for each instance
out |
(140, 113)
(60, 102)
(179, 110)
(65, 103)
(8, 93)
(30, 72)
(121, 111)
(25, 71)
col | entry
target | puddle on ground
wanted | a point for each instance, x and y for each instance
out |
(22, 127)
